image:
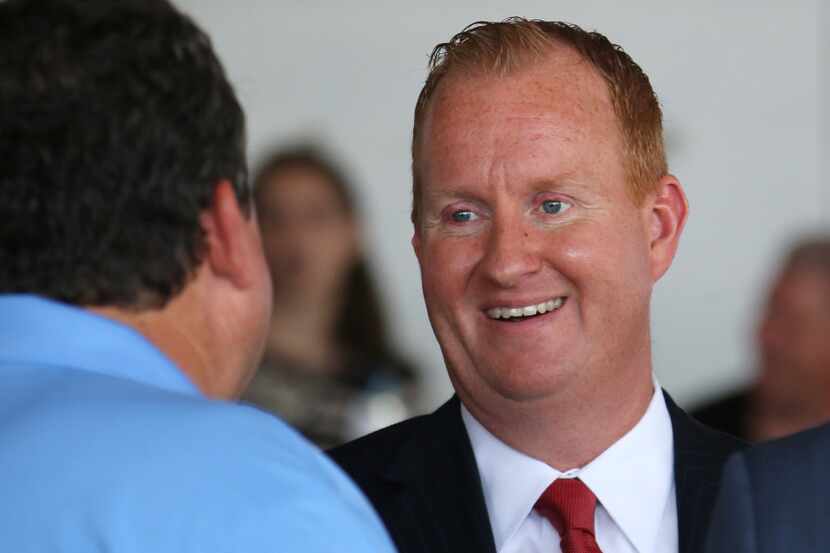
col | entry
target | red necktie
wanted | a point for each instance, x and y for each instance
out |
(569, 505)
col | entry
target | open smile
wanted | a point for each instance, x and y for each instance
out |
(527, 311)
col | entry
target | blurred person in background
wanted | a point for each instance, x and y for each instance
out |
(792, 388)
(135, 298)
(329, 367)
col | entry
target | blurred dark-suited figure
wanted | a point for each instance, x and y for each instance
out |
(329, 368)
(792, 390)
(775, 497)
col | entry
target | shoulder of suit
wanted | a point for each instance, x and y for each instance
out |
(377, 449)
(792, 451)
(693, 436)
(718, 441)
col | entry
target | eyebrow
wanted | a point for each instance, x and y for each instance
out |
(450, 190)
(566, 182)
(568, 178)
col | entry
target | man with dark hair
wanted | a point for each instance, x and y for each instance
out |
(544, 214)
(133, 296)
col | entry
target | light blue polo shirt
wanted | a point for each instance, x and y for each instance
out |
(106, 446)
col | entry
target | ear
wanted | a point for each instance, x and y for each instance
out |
(231, 238)
(667, 209)
(416, 244)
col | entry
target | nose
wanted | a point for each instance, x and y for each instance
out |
(511, 253)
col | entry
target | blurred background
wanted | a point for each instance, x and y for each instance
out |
(743, 87)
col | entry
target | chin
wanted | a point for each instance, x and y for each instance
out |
(528, 390)
(521, 384)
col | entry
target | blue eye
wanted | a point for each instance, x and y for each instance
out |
(554, 207)
(463, 216)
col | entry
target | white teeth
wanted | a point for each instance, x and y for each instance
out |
(527, 311)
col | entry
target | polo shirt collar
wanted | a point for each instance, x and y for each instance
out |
(38, 331)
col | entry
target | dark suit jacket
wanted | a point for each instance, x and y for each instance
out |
(728, 413)
(776, 498)
(421, 476)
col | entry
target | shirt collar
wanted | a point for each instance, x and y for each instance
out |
(511, 481)
(638, 465)
(37, 331)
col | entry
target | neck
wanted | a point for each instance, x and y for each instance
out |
(781, 404)
(304, 330)
(182, 336)
(771, 420)
(572, 429)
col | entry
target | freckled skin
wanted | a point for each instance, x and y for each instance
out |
(493, 150)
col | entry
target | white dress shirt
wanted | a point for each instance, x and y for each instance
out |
(633, 481)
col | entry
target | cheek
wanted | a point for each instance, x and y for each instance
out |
(613, 266)
(274, 252)
(327, 249)
(274, 247)
(331, 251)
(446, 267)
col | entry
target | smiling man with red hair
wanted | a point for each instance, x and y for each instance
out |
(544, 215)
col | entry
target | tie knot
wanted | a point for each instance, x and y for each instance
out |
(569, 505)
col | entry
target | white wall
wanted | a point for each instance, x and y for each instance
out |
(822, 24)
(739, 86)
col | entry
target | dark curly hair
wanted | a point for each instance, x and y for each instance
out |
(117, 123)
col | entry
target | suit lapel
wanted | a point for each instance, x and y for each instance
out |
(438, 472)
(699, 456)
(434, 502)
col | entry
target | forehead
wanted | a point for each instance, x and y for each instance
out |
(558, 107)
(296, 185)
(803, 286)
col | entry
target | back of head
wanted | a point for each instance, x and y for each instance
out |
(498, 49)
(117, 121)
